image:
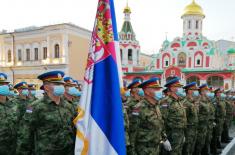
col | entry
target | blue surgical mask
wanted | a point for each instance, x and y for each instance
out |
(180, 92)
(195, 93)
(4, 90)
(210, 95)
(222, 95)
(73, 91)
(12, 93)
(58, 90)
(158, 95)
(127, 94)
(141, 92)
(230, 96)
(33, 92)
(25, 92)
(234, 97)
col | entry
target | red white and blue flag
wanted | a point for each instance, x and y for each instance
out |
(100, 125)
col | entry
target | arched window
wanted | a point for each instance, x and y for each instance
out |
(57, 51)
(130, 58)
(166, 61)
(215, 81)
(9, 55)
(181, 59)
(19, 55)
(193, 79)
(198, 60)
(197, 24)
(189, 24)
(121, 54)
(27, 54)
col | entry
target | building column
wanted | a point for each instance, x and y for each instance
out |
(125, 56)
(65, 49)
(49, 52)
(134, 56)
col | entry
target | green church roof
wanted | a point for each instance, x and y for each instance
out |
(231, 51)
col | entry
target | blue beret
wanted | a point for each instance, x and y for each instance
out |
(134, 84)
(21, 85)
(3, 78)
(52, 76)
(192, 86)
(175, 81)
(151, 83)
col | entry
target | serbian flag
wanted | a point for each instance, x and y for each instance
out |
(100, 123)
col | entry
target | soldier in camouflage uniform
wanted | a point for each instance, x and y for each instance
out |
(79, 88)
(32, 93)
(46, 128)
(21, 101)
(132, 101)
(203, 119)
(228, 119)
(191, 104)
(8, 119)
(150, 122)
(219, 116)
(176, 120)
(71, 92)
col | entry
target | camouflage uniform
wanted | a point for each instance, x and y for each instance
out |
(228, 120)
(150, 125)
(126, 125)
(46, 129)
(192, 123)
(175, 124)
(211, 125)
(21, 105)
(8, 128)
(133, 121)
(203, 121)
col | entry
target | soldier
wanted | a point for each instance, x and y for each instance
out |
(203, 119)
(175, 122)
(21, 100)
(133, 100)
(8, 119)
(12, 91)
(150, 122)
(47, 123)
(32, 93)
(228, 119)
(79, 88)
(191, 104)
(71, 92)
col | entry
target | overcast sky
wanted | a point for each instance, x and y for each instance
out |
(151, 19)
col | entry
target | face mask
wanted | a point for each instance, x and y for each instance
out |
(158, 95)
(58, 90)
(234, 97)
(12, 93)
(73, 91)
(127, 94)
(33, 92)
(222, 95)
(4, 90)
(195, 93)
(180, 92)
(141, 92)
(230, 96)
(25, 92)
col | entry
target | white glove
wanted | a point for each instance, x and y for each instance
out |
(167, 145)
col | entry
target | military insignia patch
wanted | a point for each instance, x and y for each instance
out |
(29, 109)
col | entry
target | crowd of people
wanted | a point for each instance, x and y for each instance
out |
(177, 120)
(38, 126)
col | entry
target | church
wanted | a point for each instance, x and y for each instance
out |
(191, 57)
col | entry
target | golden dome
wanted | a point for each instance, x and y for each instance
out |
(193, 9)
(127, 9)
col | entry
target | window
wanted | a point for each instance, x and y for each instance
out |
(9, 55)
(130, 55)
(197, 24)
(35, 53)
(121, 54)
(27, 54)
(193, 79)
(44, 53)
(138, 57)
(198, 62)
(166, 63)
(215, 81)
(189, 24)
(57, 51)
(19, 55)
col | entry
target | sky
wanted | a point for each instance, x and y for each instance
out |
(151, 19)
